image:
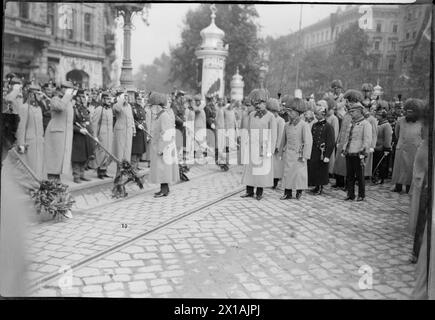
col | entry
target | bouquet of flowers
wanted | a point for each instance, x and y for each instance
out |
(53, 198)
(50, 197)
(126, 173)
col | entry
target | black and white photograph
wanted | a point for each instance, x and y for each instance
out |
(213, 150)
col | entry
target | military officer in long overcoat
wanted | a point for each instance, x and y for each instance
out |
(296, 149)
(261, 132)
(59, 133)
(102, 126)
(164, 168)
(124, 128)
(30, 131)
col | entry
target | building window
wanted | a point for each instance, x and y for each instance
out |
(414, 34)
(378, 27)
(391, 62)
(88, 27)
(23, 10)
(393, 45)
(365, 21)
(395, 28)
(50, 17)
(407, 35)
(70, 32)
(375, 64)
(376, 45)
(405, 56)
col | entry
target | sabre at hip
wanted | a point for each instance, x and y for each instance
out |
(140, 124)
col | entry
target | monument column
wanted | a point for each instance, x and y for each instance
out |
(237, 85)
(213, 54)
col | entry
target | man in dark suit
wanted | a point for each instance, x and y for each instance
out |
(82, 146)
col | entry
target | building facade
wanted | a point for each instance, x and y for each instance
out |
(380, 22)
(58, 41)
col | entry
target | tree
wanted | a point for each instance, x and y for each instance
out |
(419, 71)
(155, 77)
(350, 59)
(238, 23)
(281, 76)
(315, 71)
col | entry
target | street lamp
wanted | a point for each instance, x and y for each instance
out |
(264, 56)
(127, 11)
(298, 48)
(262, 76)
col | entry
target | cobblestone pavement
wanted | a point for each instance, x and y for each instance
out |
(317, 247)
(55, 244)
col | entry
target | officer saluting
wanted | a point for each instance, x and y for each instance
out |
(102, 124)
(82, 148)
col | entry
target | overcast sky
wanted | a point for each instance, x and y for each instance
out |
(166, 22)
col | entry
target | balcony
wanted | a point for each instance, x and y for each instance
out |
(27, 28)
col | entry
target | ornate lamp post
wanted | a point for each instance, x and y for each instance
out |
(127, 11)
(264, 56)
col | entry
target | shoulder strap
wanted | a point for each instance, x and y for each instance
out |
(100, 121)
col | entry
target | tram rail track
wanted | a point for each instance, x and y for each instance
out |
(42, 282)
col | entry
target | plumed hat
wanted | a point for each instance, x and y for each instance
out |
(272, 104)
(355, 106)
(367, 87)
(157, 98)
(15, 80)
(285, 101)
(413, 104)
(67, 84)
(34, 87)
(382, 104)
(353, 96)
(258, 95)
(296, 104)
(336, 84)
(80, 92)
(105, 94)
(332, 104)
(180, 93)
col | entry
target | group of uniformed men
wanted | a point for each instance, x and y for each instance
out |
(349, 135)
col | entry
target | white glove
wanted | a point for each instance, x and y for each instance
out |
(83, 131)
(371, 150)
(213, 126)
(21, 149)
(386, 153)
(301, 159)
(325, 160)
(140, 127)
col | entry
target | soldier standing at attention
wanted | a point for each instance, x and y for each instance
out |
(82, 150)
(102, 125)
